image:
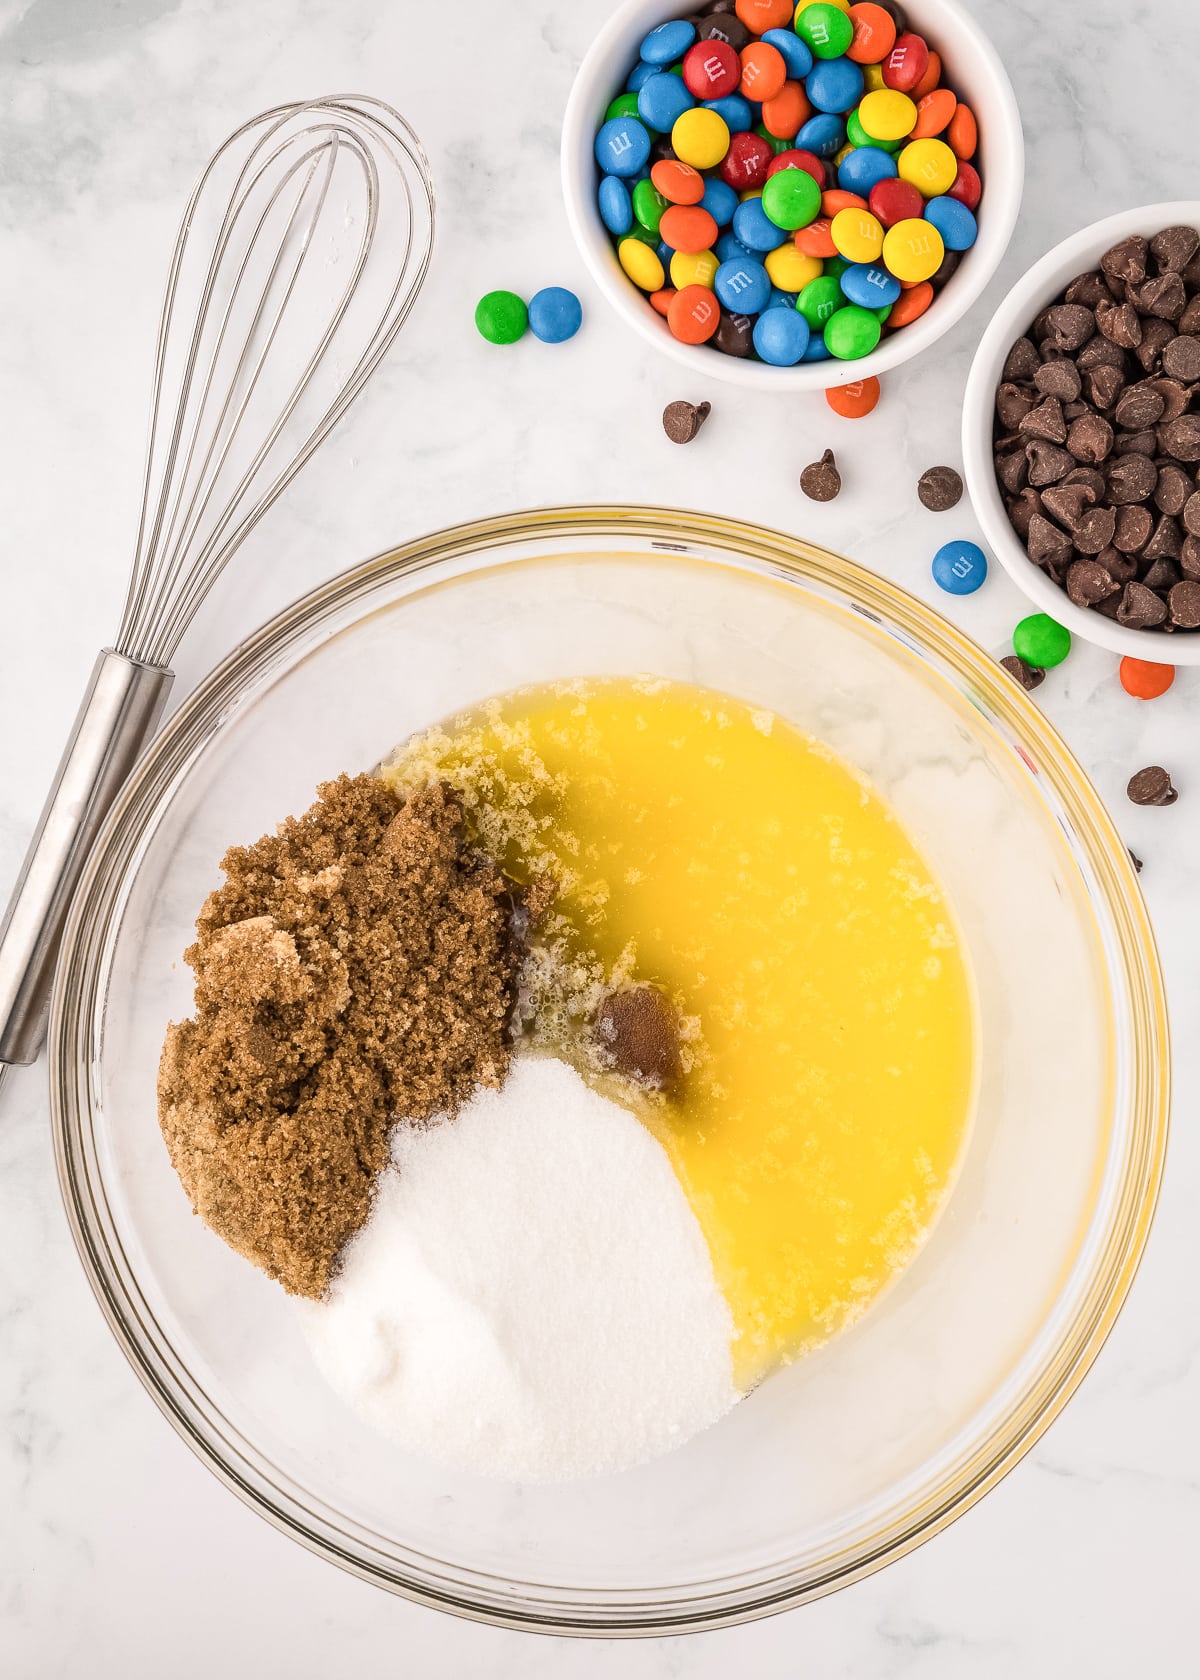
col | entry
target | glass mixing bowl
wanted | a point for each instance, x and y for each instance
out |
(854, 1454)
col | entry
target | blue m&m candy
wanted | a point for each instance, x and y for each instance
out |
(824, 135)
(640, 74)
(730, 246)
(818, 350)
(955, 223)
(719, 200)
(754, 227)
(836, 84)
(781, 300)
(870, 286)
(735, 111)
(668, 42)
(661, 100)
(616, 207)
(864, 168)
(622, 146)
(781, 336)
(554, 314)
(796, 54)
(959, 567)
(744, 286)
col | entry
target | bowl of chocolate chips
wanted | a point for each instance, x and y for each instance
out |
(1081, 433)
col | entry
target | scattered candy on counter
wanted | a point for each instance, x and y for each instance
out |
(1029, 676)
(1096, 449)
(1041, 640)
(854, 401)
(682, 420)
(1152, 786)
(553, 315)
(939, 489)
(1135, 860)
(960, 568)
(760, 151)
(821, 481)
(1144, 679)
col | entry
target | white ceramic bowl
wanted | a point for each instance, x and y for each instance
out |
(972, 68)
(1044, 281)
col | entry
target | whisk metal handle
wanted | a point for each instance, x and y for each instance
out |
(123, 703)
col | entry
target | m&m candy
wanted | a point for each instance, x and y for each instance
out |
(554, 314)
(960, 568)
(501, 317)
(1144, 679)
(855, 400)
(806, 161)
(1041, 641)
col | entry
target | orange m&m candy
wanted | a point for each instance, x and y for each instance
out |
(816, 240)
(836, 199)
(854, 401)
(761, 15)
(678, 182)
(662, 300)
(686, 227)
(785, 115)
(1145, 680)
(764, 71)
(934, 113)
(931, 78)
(694, 315)
(874, 34)
(912, 303)
(963, 133)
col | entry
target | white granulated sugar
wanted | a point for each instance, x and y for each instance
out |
(532, 1297)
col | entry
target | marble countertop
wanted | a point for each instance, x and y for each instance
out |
(120, 1554)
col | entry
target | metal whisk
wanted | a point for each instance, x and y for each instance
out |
(301, 251)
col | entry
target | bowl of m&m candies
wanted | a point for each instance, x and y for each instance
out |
(792, 196)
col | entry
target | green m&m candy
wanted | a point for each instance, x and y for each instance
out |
(1041, 641)
(624, 105)
(648, 206)
(645, 234)
(836, 266)
(501, 317)
(819, 300)
(791, 198)
(852, 332)
(773, 140)
(857, 135)
(825, 30)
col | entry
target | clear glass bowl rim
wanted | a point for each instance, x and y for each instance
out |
(73, 1060)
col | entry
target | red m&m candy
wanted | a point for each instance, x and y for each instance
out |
(711, 69)
(895, 201)
(967, 188)
(745, 163)
(906, 63)
(798, 158)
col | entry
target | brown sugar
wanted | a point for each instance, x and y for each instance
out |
(358, 967)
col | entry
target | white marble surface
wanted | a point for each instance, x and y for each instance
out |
(119, 1554)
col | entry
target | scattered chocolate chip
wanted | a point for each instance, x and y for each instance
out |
(1141, 608)
(1088, 582)
(1070, 326)
(1045, 543)
(1134, 525)
(1127, 260)
(1047, 463)
(1184, 603)
(1135, 860)
(1029, 676)
(939, 489)
(1121, 323)
(682, 420)
(1022, 362)
(1090, 439)
(1174, 248)
(1012, 405)
(1151, 786)
(1046, 421)
(821, 481)
(1173, 490)
(1181, 438)
(1181, 358)
(734, 335)
(1131, 478)
(1059, 378)
(1095, 530)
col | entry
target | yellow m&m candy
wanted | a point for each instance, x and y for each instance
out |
(789, 269)
(887, 115)
(857, 235)
(641, 263)
(913, 250)
(928, 165)
(700, 137)
(873, 77)
(698, 268)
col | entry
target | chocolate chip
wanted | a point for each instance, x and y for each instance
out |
(1022, 362)
(1012, 405)
(1135, 860)
(1048, 463)
(1091, 476)
(1060, 378)
(1046, 421)
(1156, 335)
(682, 420)
(1181, 358)
(1160, 576)
(1088, 582)
(1151, 786)
(1013, 470)
(1029, 676)
(1121, 323)
(1068, 502)
(1104, 385)
(1184, 602)
(1127, 260)
(1131, 478)
(1045, 544)
(734, 335)
(1095, 530)
(1181, 438)
(1090, 439)
(1164, 296)
(1137, 443)
(1134, 525)
(1191, 514)
(1070, 325)
(1189, 558)
(1141, 608)
(1121, 568)
(1139, 406)
(1167, 541)
(1189, 321)
(821, 481)
(1173, 490)
(1021, 510)
(1088, 289)
(1176, 397)
(1174, 248)
(1076, 410)
(1101, 352)
(939, 489)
